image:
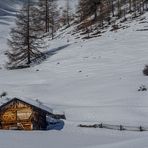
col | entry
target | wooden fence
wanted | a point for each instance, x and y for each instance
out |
(116, 127)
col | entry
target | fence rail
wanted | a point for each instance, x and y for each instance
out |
(116, 127)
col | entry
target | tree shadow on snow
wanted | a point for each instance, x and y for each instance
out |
(47, 54)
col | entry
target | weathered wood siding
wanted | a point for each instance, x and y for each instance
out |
(20, 115)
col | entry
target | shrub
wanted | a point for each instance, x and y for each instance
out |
(3, 94)
(142, 88)
(145, 70)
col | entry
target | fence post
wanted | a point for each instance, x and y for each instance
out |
(101, 125)
(121, 127)
(141, 129)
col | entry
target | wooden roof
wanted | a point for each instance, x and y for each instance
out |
(34, 103)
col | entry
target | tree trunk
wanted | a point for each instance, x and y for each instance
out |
(28, 33)
(112, 5)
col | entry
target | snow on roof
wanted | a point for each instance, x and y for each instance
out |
(32, 102)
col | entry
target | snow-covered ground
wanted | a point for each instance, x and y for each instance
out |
(73, 137)
(92, 81)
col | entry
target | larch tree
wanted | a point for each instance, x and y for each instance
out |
(66, 14)
(26, 38)
(48, 15)
(53, 17)
(43, 13)
(88, 8)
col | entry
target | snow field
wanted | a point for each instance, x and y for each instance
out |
(92, 81)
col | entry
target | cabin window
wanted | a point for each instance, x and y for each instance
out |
(24, 114)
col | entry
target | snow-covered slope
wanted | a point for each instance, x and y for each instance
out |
(8, 7)
(92, 81)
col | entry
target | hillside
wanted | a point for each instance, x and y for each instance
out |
(93, 76)
(91, 81)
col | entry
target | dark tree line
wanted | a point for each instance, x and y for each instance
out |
(103, 10)
(38, 20)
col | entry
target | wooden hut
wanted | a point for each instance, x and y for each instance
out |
(24, 115)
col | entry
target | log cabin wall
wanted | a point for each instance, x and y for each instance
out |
(39, 120)
(17, 114)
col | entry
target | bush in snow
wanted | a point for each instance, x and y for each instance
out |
(3, 94)
(145, 70)
(142, 88)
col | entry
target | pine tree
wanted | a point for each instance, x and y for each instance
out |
(26, 38)
(67, 13)
(88, 8)
(119, 8)
(53, 17)
(48, 14)
(112, 7)
(130, 5)
(102, 10)
(146, 3)
(43, 13)
(82, 9)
